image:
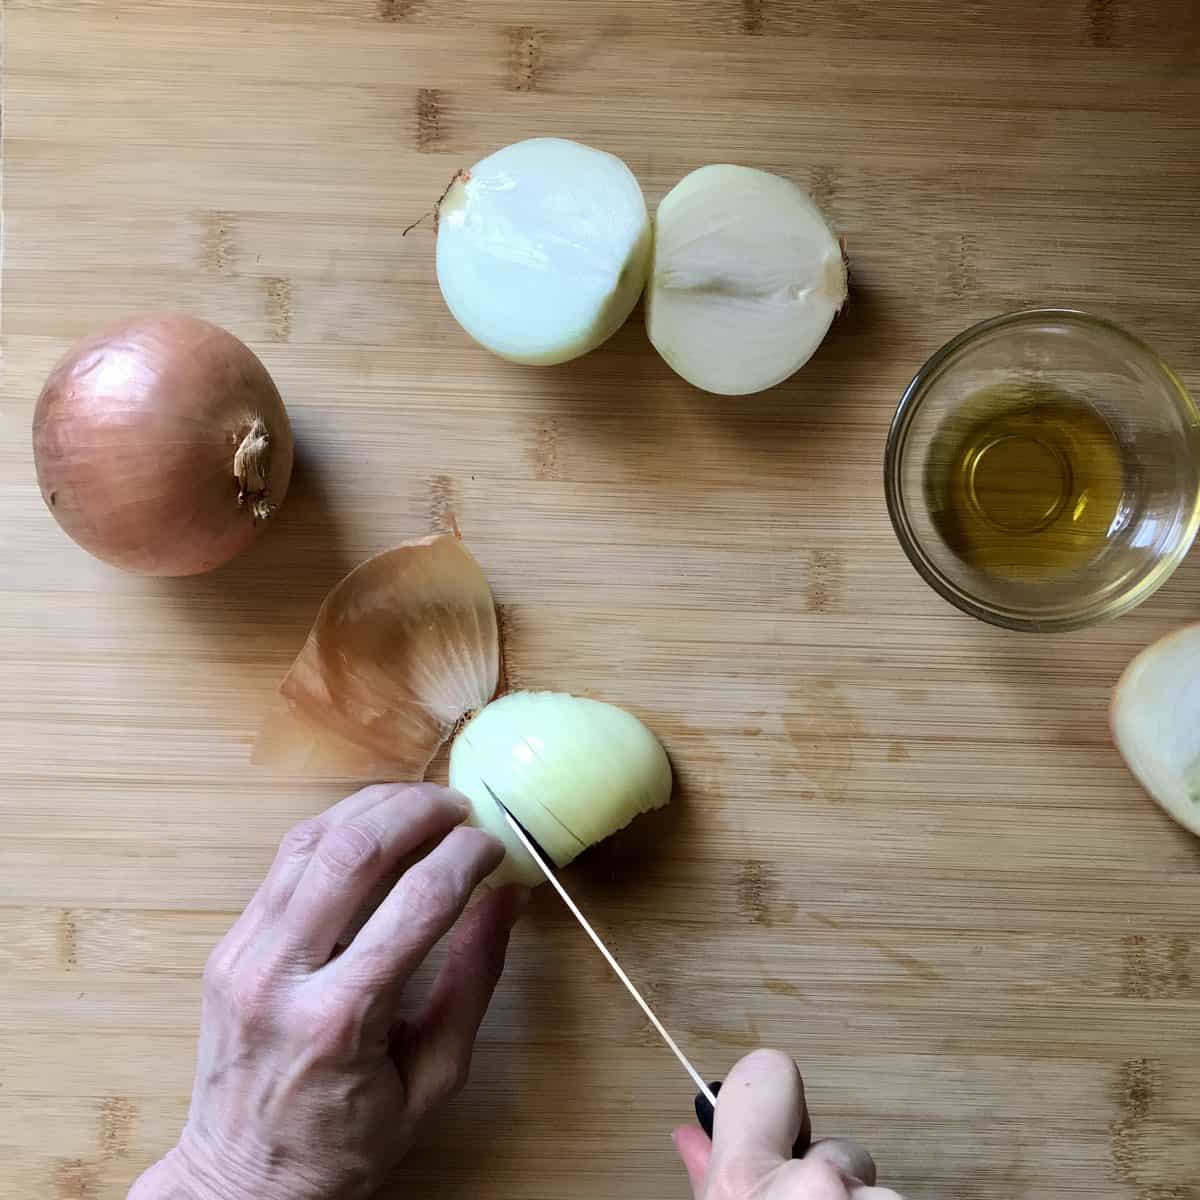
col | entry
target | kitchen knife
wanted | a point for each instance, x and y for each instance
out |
(706, 1098)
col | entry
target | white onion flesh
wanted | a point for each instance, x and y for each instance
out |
(1155, 719)
(542, 249)
(571, 770)
(745, 279)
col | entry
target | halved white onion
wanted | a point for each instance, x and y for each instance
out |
(542, 249)
(1155, 718)
(745, 279)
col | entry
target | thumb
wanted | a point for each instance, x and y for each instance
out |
(694, 1150)
(760, 1113)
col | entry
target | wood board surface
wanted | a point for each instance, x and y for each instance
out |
(902, 846)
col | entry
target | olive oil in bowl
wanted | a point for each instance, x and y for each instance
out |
(1042, 471)
(1025, 482)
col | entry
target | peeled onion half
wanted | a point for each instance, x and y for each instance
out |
(542, 249)
(1155, 719)
(402, 652)
(745, 279)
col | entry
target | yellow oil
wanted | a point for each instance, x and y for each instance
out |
(1025, 482)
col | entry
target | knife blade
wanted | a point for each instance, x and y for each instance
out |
(532, 850)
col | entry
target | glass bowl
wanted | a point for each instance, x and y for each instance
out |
(1043, 470)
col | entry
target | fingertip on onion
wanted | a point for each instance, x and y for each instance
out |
(543, 249)
(162, 445)
(745, 279)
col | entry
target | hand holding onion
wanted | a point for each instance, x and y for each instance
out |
(405, 655)
(162, 445)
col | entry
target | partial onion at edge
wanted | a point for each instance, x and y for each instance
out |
(1155, 718)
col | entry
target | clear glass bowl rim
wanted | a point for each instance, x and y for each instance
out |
(910, 402)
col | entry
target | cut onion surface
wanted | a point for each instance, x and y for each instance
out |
(1155, 719)
(745, 279)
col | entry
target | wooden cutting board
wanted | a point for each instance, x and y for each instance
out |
(902, 846)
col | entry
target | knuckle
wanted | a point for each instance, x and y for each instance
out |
(349, 849)
(824, 1180)
(455, 1077)
(368, 968)
(371, 795)
(440, 798)
(326, 1021)
(441, 1081)
(736, 1177)
(848, 1156)
(253, 994)
(473, 850)
(431, 890)
(303, 837)
(218, 972)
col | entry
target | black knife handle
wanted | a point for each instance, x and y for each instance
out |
(705, 1115)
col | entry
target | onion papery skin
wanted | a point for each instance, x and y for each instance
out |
(162, 445)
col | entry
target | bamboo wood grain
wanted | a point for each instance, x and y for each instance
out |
(902, 846)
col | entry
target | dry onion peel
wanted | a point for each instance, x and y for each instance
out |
(401, 650)
(1155, 717)
(745, 279)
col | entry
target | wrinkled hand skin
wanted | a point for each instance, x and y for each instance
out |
(308, 1085)
(761, 1111)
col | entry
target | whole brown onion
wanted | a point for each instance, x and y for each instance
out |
(162, 445)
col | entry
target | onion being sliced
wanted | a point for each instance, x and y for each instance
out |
(404, 648)
(571, 770)
(1155, 718)
(401, 650)
(745, 279)
(542, 249)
